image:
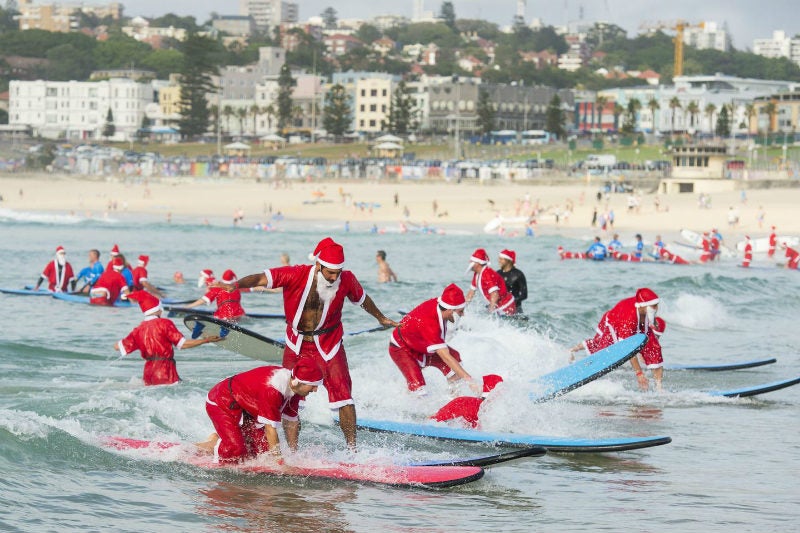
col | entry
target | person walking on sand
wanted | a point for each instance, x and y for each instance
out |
(155, 338)
(313, 299)
(385, 272)
(58, 273)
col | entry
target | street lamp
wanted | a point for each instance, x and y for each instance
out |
(457, 136)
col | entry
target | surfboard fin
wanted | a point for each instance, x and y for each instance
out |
(197, 330)
(223, 332)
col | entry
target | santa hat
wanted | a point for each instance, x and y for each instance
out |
(228, 276)
(490, 381)
(452, 297)
(206, 276)
(60, 250)
(148, 303)
(117, 263)
(143, 260)
(511, 255)
(115, 250)
(327, 241)
(331, 256)
(645, 297)
(479, 256)
(658, 327)
(307, 371)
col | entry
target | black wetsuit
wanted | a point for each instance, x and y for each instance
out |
(516, 285)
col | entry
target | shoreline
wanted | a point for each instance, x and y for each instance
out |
(446, 205)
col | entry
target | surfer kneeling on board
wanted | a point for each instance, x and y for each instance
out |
(628, 317)
(247, 409)
(468, 407)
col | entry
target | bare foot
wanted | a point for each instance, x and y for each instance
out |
(208, 445)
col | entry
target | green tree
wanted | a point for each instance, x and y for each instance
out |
(448, 15)
(486, 113)
(631, 116)
(618, 111)
(674, 106)
(66, 63)
(554, 117)
(187, 23)
(337, 111)
(710, 110)
(120, 51)
(329, 18)
(600, 104)
(196, 82)
(723, 128)
(653, 106)
(400, 119)
(285, 88)
(693, 108)
(109, 129)
(368, 33)
(163, 62)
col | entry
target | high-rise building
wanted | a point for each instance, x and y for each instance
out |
(780, 45)
(708, 36)
(269, 13)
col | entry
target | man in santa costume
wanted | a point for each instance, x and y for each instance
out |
(247, 409)
(313, 298)
(748, 252)
(773, 243)
(651, 351)
(113, 253)
(140, 279)
(792, 255)
(419, 341)
(708, 252)
(110, 286)
(58, 273)
(489, 284)
(467, 407)
(229, 305)
(669, 257)
(515, 280)
(155, 338)
(629, 317)
(563, 254)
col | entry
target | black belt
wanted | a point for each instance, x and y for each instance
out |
(318, 331)
(221, 302)
(233, 405)
(159, 359)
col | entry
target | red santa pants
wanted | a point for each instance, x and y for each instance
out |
(411, 364)
(336, 372)
(239, 435)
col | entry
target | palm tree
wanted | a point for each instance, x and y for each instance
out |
(254, 111)
(771, 110)
(228, 112)
(653, 106)
(269, 111)
(693, 108)
(241, 114)
(674, 105)
(213, 109)
(634, 106)
(600, 105)
(710, 109)
(618, 110)
(749, 112)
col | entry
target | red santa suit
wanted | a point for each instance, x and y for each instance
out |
(794, 257)
(773, 243)
(326, 347)
(140, 273)
(58, 276)
(467, 408)
(229, 305)
(109, 285)
(708, 253)
(155, 338)
(240, 407)
(570, 255)
(413, 344)
(621, 321)
(748, 253)
(651, 352)
(619, 256)
(486, 282)
(666, 255)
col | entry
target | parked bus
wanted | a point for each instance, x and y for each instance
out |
(535, 137)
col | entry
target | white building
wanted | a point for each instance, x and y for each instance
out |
(269, 13)
(77, 110)
(372, 103)
(709, 35)
(779, 46)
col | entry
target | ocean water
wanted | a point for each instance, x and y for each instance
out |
(732, 464)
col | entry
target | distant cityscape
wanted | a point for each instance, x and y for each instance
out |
(443, 102)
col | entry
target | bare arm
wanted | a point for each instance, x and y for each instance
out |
(195, 303)
(641, 379)
(247, 282)
(370, 307)
(470, 294)
(152, 289)
(271, 434)
(191, 343)
(291, 428)
(493, 299)
(454, 365)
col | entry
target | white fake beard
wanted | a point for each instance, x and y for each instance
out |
(201, 281)
(325, 289)
(650, 317)
(61, 259)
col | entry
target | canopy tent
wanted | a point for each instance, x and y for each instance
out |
(237, 148)
(273, 138)
(388, 138)
(388, 149)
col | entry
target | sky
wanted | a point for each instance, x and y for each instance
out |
(746, 19)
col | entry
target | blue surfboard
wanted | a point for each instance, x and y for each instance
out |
(757, 389)
(26, 291)
(723, 366)
(552, 444)
(84, 299)
(584, 370)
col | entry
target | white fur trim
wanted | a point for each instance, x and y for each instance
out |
(449, 306)
(649, 303)
(330, 265)
(340, 404)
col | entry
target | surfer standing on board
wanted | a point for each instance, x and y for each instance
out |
(628, 317)
(247, 409)
(155, 338)
(313, 298)
(490, 285)
(419, 340)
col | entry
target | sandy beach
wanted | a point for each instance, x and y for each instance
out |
(468, 205)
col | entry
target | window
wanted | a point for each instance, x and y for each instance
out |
(373, 92)
(383, 108)
(363, 92)
(371, 123)
(363, 108)
(361, 123)
(384, 92)
(373, 107)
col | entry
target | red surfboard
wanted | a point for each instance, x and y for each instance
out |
(384, 474)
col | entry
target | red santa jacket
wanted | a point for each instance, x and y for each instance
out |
(139, 275)
(108, 288)
(58, 279)
(488, 281)
(296, 282)
(620, 322)
(465, 407)
(155, 338)
(263, 392)
(423, 330)
(229, 305)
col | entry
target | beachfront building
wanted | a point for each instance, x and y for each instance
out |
(141, 30)
(708, 36)
(61, 17)
(239, 82)
(776, 113)
(235, 25)
(372, 103)
(269, 13)
(780, 45)
(77, 110)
